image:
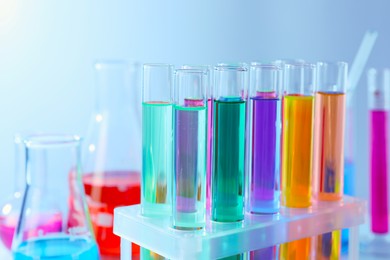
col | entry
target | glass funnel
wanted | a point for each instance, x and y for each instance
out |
(49, 159)
(112, 150)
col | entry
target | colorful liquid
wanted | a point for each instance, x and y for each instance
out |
(297, 250)
(105, 192)
(265, 253)
(190, 167)
(349, 171)
(328, 162)
(157, 157)
(36, 225)
(379, 190)
(228, 160)
(265, 148)
(57, 247)
(150, 255)
(328, 246)
(297, 139)
(209, 151)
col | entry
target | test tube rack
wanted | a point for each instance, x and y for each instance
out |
(255, 232)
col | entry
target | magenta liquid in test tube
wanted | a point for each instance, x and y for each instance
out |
(379, 106)
(265, 130)
(190, 149)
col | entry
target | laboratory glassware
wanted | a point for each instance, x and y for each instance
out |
(112, 150)
(209, 90)
(375, 242)
(10, 209)
(328, 162)
(229, 146)
(49, 159)
(297, 135)
(328, 158)
(264, 139)
(157, 139)
(379, 106)
(297, 146)
(190, 149)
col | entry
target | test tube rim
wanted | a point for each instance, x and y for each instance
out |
(241, 67)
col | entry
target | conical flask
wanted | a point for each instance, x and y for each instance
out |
(49, 159)
(112, 151)
(11, 206)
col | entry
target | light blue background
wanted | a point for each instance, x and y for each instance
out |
(47, 49)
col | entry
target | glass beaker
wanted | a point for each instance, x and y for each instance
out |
(112, 150)
(10, 208)
(49, 159)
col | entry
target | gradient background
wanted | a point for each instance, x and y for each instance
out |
(47, 49)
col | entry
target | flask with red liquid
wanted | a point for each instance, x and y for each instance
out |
(112, 150)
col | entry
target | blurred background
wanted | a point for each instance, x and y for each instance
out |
(47, 50)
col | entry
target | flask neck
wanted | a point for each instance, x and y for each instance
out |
(36, 170)
(115, 83)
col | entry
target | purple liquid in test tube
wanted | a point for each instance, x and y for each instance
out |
(265, 131)
(190, 150)
(265, 154)
(186, 146)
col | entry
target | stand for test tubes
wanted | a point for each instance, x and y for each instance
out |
(219, 240)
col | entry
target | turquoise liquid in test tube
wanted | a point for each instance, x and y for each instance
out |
(157, 140)
(227, 181)
(190, 150)
(264, 139)
(379, 106)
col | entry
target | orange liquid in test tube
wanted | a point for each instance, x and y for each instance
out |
(328, 165)
(297, 128)
(295, 250)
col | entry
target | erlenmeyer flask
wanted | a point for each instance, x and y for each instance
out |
(49, 159)
(112, 154)
(10, 208)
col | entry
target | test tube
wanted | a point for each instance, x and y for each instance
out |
(264, 139)
(190, 153)
(297, 142)
(379, 105)
(157, 139)
(328, 160)
(227, 182)
(209, 90)
(297, 135)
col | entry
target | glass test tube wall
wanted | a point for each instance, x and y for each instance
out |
(229, 143)
(328, 163)
(190, 153)
(297, 135)
(264, 139)
(379, 105)
(157, 139)
(297, 140)
(209, 91)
